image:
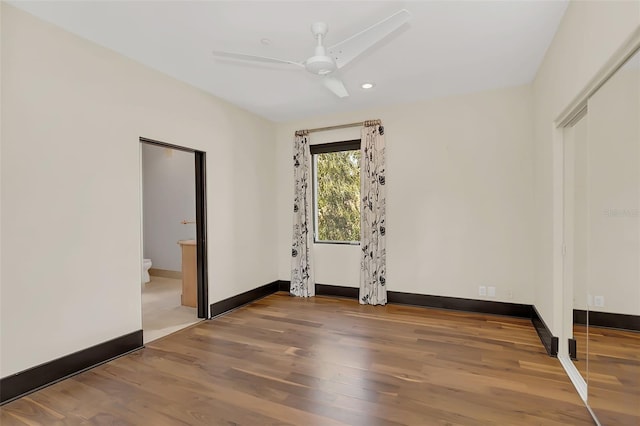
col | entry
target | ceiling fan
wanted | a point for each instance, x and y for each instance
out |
(325, 61)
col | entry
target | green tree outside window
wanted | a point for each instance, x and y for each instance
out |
(338, 196)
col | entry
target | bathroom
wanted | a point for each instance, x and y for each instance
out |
(169, 233)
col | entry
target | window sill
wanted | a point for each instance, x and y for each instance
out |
(341, 243)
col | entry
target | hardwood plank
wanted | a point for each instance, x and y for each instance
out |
(614, 375)
(322, 361)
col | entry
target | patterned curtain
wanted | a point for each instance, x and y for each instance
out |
(302, 281)
(373, 266)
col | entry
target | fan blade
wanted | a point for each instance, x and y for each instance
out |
(336, 86)
(254, 58)
(349, 49)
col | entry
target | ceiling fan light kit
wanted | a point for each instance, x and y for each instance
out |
(325, 62)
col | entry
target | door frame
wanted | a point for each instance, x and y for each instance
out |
(202, 271)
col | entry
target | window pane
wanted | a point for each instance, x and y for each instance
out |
(338, 196)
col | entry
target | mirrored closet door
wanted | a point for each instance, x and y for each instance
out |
(613, 240)
(602, 246)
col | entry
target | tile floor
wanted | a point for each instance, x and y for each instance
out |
(162, 313)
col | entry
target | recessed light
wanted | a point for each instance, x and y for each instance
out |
(265, 41)
(367, 85)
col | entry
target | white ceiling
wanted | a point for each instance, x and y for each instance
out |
(448, 47)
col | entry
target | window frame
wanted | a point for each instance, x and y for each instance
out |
(327, 148)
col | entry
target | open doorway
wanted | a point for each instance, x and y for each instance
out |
(174, 278)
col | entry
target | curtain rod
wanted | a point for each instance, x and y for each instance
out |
(366, 123)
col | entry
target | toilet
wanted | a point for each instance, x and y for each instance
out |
(146, 264)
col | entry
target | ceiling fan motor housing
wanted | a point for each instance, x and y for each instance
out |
(320, 64)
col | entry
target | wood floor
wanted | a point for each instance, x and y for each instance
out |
(614, 376)
(322, 361)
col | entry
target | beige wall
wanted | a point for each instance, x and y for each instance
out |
(459, 206)
(589, 34)
(72, 113)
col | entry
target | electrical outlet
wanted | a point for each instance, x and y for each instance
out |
(598, 301)
(491, 291)
(482, 290)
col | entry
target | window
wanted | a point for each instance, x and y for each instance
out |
(336, 192)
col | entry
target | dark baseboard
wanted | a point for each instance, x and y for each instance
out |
(337, 291)
(284, 285)
(236, 301)
(579, 317)
(27, 381)
(325, 290)
(547, 338)
(608, 320)
(424, 300)
(460, 304)
(573, 349)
